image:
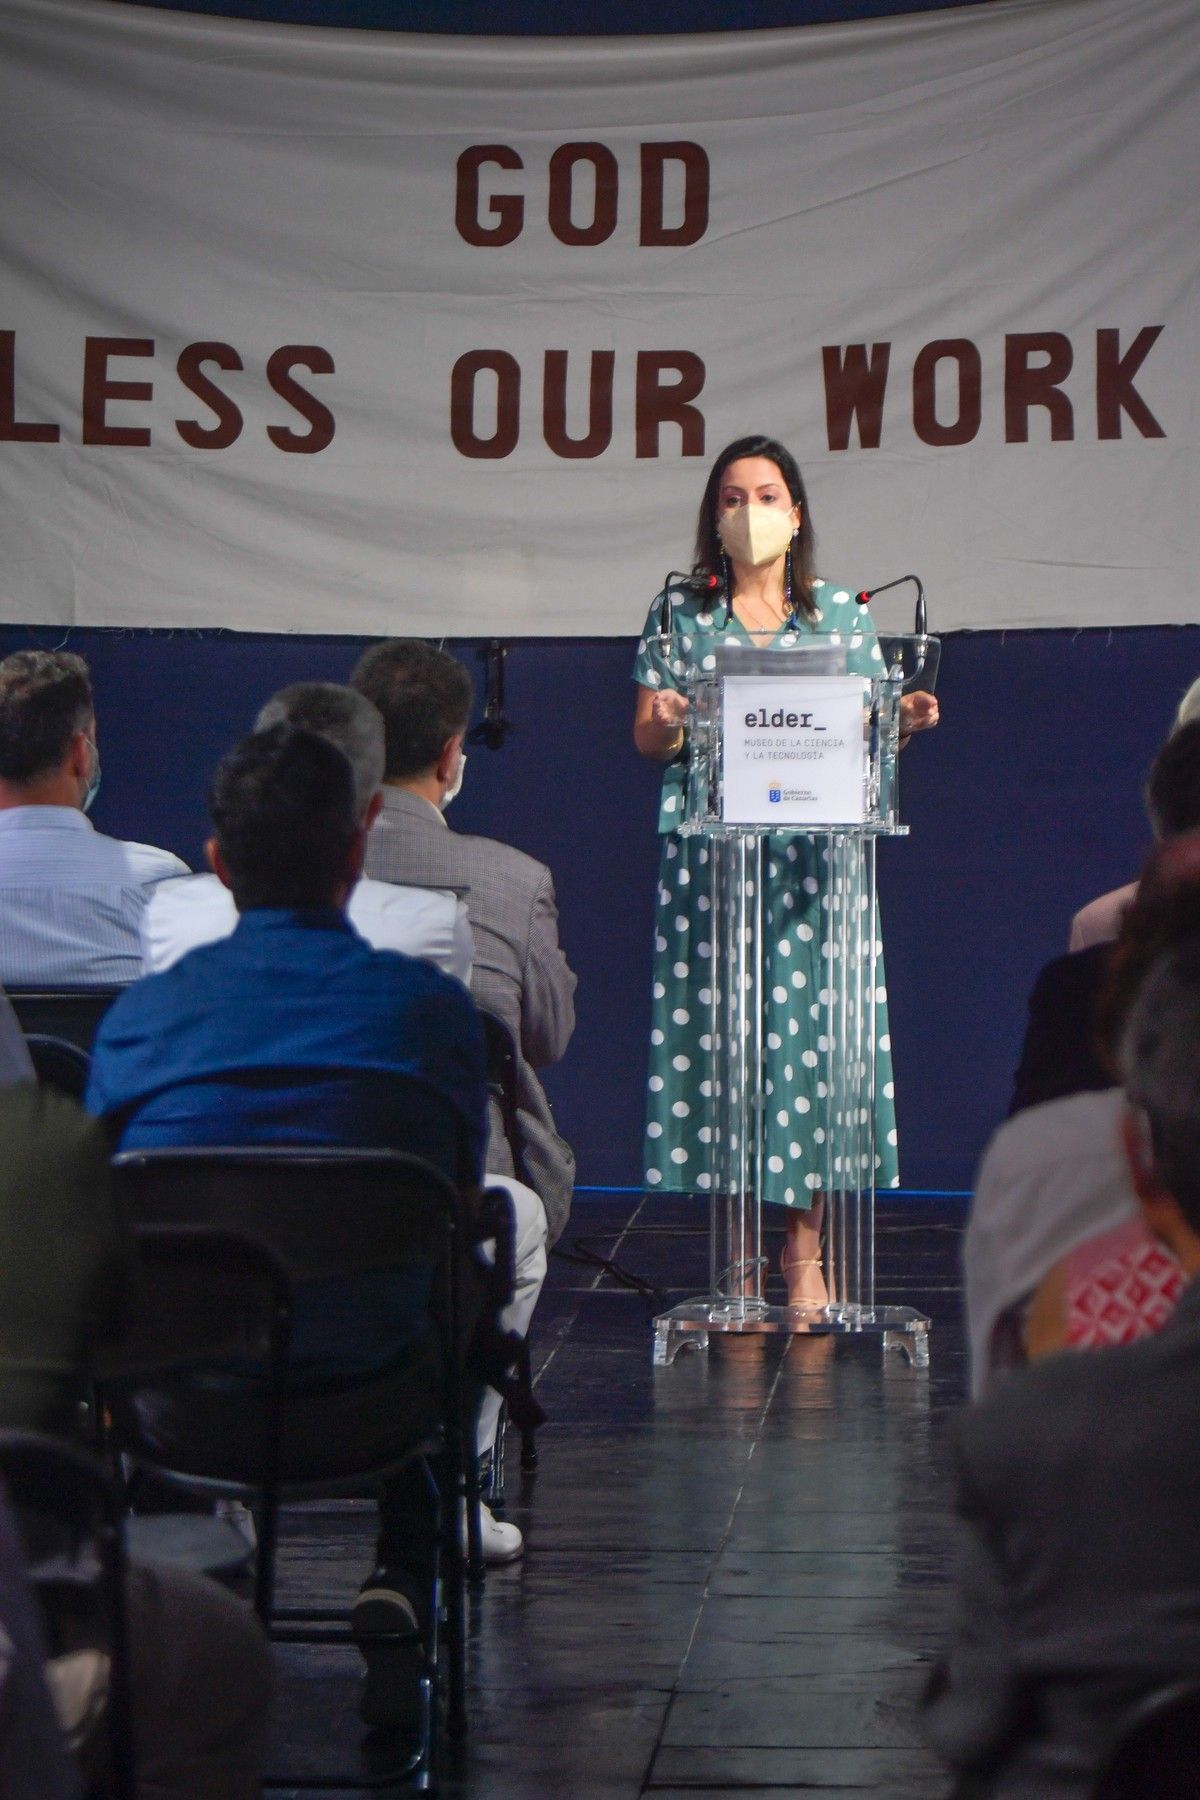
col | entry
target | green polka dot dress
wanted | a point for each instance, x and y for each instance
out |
(796, 917)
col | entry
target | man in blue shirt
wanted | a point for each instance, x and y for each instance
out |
(294, 1030)
(71, 899)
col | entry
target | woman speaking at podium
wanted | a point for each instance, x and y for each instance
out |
(754, 582)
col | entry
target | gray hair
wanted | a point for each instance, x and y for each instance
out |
(1159, 1058)
(1189, 706)
(346, 719)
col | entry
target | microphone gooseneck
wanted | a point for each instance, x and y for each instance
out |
(920, 625)
(698, 585)
(695, 584)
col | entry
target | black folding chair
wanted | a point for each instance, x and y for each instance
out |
(73, 1013)
(1155, 1753)
(316, 1214)
(59, 1064)
(204, 1298)
(70, 1510)
(502, 1083)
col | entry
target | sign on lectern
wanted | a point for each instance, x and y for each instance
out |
(793, 750)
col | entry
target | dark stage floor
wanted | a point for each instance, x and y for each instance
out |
(736, 1566)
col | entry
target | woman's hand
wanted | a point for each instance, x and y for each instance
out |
(669, 710)
(659, 722)
(918, 712)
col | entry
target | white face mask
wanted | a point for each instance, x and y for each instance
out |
(455, 788)
(755, 535)
(93, 782)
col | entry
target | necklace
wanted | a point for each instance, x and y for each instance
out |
(754, 622)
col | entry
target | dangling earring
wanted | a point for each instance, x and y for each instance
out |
(789, 611)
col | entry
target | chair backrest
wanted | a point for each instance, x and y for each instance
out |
(322, 1211)
(312, 1213)
(207, 1300)
(59, 1064)
(502, 1080)
(200, 1294)
(53, 1484)
(1156, 1751)
(70, 1013)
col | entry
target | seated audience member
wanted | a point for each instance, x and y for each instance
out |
(1173, 803)
(294, 1030)
(1078, 1587)
(430, 923)
(1113, 1288)
(1059, 1054)
(1050, 1178)
(520, 973)
(422, 921)
(1053, 1180)
(293, 989)
(71, 899)
(201, 1670)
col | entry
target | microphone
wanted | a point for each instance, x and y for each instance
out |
(920, 626)
(495, 723)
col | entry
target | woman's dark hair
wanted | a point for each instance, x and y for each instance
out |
(1164, 911)
(283, 807)
(1157, 1056)
(1173, 789)
(711, 558)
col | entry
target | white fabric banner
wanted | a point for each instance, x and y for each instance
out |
(323, 330)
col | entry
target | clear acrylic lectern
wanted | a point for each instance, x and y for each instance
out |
(781, 739)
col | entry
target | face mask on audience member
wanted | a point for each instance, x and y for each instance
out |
(93, 781)
(455, 788)
(754, 535)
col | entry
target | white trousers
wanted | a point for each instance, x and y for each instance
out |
(529, 1264)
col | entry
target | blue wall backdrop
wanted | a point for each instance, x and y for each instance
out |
(553, 18)
(1024, 804)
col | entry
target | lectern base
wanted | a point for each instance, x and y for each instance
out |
(691, 1324)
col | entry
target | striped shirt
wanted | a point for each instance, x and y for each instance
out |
(71, 899)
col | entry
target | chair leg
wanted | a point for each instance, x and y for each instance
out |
(475, 1565)
(454, 1600)
(423, 1781)
(122, 1750)
(529, 1449)
(267, 1531)
(495, 1491)
(267, 1512)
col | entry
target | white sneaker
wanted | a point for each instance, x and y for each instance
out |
(501, 1542)
(238, 1514)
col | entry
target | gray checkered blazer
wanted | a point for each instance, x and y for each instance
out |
(519, 973)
